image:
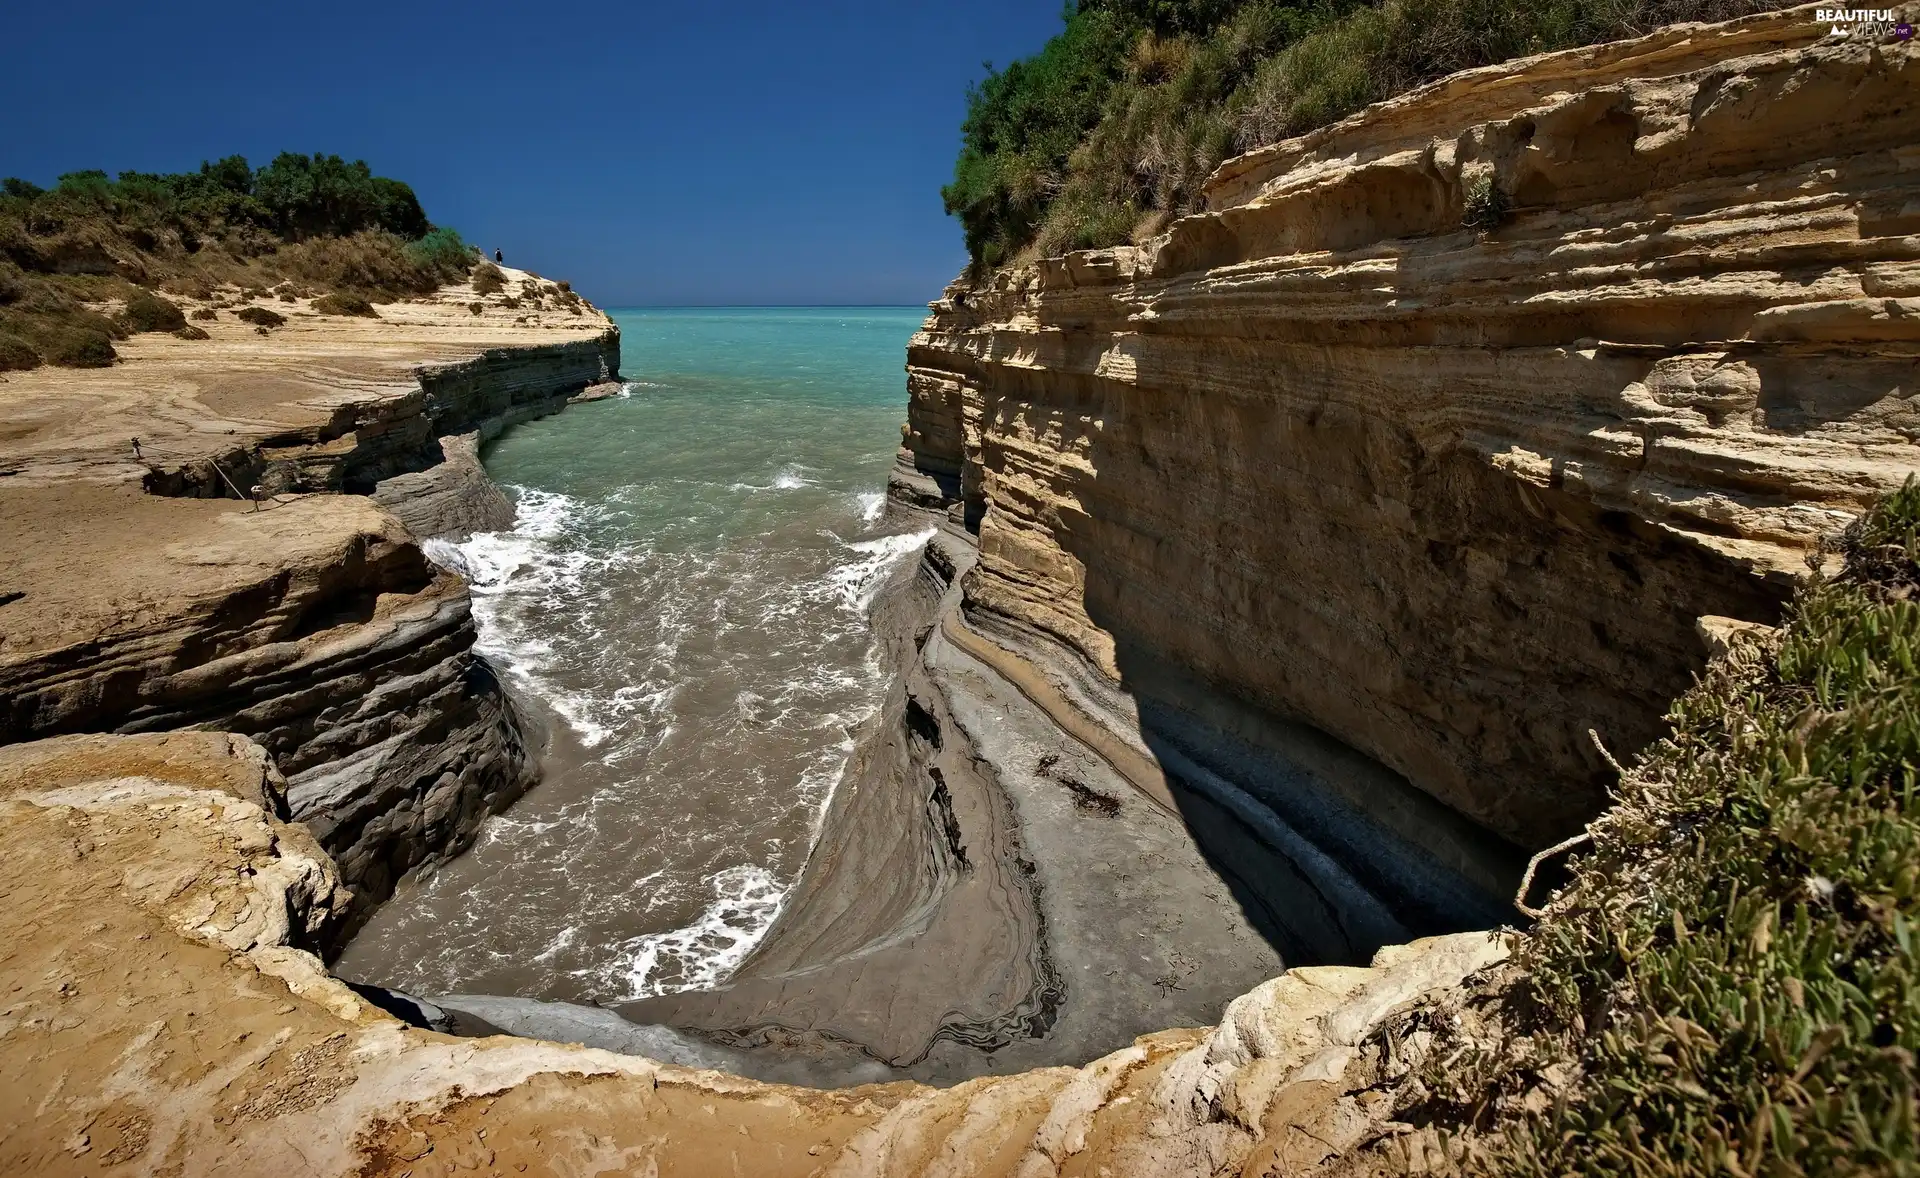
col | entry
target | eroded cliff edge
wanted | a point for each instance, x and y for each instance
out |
(1321, 455)
(141, 593)
(163, 888)
(1330, 527)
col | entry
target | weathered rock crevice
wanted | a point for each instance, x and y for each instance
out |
(1312, 537)
(309, 620)
(1321, 458)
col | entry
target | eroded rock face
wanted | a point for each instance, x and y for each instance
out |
(165, 1014)
(138, 599)
(1321, 454)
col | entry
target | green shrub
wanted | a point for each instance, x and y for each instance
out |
(85, 320)
(301, 226)
(79, 347)
(1487, 207)
(1114, 126)
(345, 303)
(324, 196)
(442, 254)
(205, 314)
(488, 279)
(17, 355)
(260, 317)
(191, 332)
(1730, 984)
(149, 312)
(476, 308)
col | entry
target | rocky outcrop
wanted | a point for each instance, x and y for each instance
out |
(144, 596)
(1321, 460)
(165, 1015)
(1314, 533)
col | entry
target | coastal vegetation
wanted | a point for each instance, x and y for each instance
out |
(1729, 985)
(1111, 130)
(301, 226)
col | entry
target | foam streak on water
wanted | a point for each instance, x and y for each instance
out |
(684, 595)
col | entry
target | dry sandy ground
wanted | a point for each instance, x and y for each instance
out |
(75, 521)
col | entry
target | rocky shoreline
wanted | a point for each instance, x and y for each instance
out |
(1315, 460)
(144, 597)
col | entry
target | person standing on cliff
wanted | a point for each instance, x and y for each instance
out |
(498, 256)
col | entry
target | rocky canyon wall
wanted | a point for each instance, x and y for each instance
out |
(1320, 458)
(1319, 524)
(144, 596)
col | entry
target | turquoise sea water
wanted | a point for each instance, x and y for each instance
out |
(683, 595)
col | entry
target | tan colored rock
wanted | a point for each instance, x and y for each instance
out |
(1315, 454)
(1322, 454)
(139, 592)
(163, 1014)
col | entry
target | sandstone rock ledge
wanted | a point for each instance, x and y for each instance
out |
(161, 1015)
(1320, 456)
(139, 593)
(1327, 528)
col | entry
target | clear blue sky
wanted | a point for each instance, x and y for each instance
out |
(653, 153)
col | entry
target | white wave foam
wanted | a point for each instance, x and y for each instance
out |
(539, 559)
(704, 953)
(790, 477)
(858, 581)
(552, 596)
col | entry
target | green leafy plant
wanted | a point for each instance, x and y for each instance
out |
(1486, 206)
(79, 347)
(17, 355)
(1114, 126)
(301, 226)
(149, 312)
(1729, 985)
(345, 303)
(260, 317)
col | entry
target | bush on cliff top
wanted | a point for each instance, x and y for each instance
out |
(1729, 986)
(488, 279)
(345, 303)
(328, 223)
(1113, 127)
(17, 355)
(149, 312)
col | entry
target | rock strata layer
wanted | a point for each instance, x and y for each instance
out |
(165, 1015)
(141, 594)
(1322, 457)
(1318, 524)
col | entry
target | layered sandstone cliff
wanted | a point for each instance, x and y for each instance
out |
(1323, 525)
(1323, 457)
(164, 1015)
(1296, 552)
(142, 594)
